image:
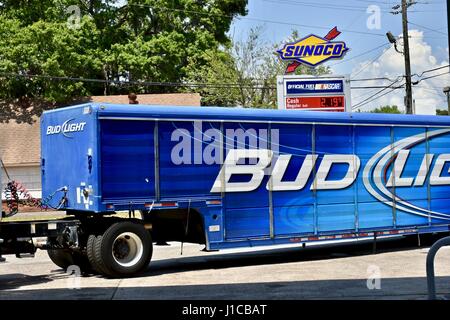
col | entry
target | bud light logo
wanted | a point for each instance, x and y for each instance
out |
(394, 157)
(66, 128)
(383, 173)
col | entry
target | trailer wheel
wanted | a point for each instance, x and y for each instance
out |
(91, 253)
(126, 249)
(64, 258)
(97, 258)
(61, 257)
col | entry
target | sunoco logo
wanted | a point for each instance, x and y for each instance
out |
(314, 50)
(66, 128)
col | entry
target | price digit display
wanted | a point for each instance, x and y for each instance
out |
(330, 103)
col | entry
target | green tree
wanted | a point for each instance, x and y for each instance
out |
(441, 112)
(387, 109)
(140, 40)
(245, 73)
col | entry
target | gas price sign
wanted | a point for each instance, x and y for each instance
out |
(314, 93)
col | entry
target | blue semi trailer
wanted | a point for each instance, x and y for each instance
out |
(231, 177)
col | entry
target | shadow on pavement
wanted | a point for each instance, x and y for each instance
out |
(276, 256)
(16, 280)
(413, 288)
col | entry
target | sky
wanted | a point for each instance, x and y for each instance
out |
(370, 55)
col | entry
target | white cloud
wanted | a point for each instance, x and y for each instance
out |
(428, 94)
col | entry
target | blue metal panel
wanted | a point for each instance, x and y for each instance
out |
(247, 223)
(374, 214)
(437, 146)
(69, 157)
(293, 220)
(295, 140)
(333, 217)
(183, 148)
(253, 221)
(331, 140)
(259, 197)
(127, 160)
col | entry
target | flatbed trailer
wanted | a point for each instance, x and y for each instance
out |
(230, 177)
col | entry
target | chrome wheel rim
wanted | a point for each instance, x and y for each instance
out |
(127, 249)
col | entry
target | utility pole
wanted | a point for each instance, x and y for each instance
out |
(448, 25)
(408, 100)
(403, 8)
(447, 93)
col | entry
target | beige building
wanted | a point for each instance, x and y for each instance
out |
(20, 143)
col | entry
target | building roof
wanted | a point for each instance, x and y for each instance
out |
(20, 143)
(173, 99)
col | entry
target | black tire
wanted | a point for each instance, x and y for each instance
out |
(91, 255)
(64, 258)
(98, 261)
(125, 249)
(61, 257)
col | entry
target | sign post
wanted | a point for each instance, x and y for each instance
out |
(318, 93)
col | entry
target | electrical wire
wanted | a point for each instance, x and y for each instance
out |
(170, 84)
(367, 100)
(430, 70)
(323, 6)
(370, 62)
(426, 28)
(252, 19)
(384, 94)
(431, 77)
(360, 55)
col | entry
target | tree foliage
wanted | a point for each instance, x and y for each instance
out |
(387, 109)
(141, 40)
(251, 66)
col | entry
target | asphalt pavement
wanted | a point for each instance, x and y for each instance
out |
(350, 271)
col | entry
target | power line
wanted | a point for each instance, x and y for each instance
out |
(322, 6)
(431, 77)
(364, 94)
(430, 70)
(252, 19)
(370, 62)
(384, 94)
(373, 98)
(139, 83)
(337, 7)
(426, 28)
(162, 84)
(372, 79)
(367, 100)
(360, 55)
